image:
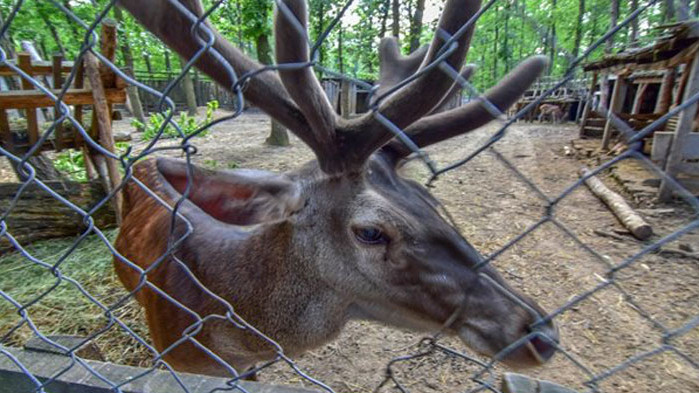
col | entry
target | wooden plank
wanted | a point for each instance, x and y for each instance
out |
(25, 63)
(57, 84)
(662, 140)
(39, 68)
(618, 96)
(20, 99)
(684, 127)
(588, 104)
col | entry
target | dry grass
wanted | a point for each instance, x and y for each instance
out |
(63, 308)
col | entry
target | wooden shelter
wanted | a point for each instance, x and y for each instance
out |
(647, 83)
(94, 86)
(569, 97)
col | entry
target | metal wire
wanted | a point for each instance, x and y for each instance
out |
(484, 378)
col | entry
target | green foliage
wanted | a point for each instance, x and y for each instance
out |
(187, 124)
(508, 32)
(72, 162)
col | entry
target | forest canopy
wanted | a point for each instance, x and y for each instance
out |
(507, 32)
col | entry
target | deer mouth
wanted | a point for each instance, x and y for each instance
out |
(534, 351)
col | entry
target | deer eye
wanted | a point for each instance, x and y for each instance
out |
(370, 235)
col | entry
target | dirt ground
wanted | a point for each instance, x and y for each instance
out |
(492, 206)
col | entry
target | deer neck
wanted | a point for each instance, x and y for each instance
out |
(271, 283)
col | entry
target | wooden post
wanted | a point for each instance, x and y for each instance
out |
(25, 63)
(682, 86)
(638, 99)
(57, 84)
(5, 133)
(615, 106)
(104, 125)
(665, 94)
(588, 103)
(348, 97)
(684, 127)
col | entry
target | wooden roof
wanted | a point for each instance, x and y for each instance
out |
(677, 46)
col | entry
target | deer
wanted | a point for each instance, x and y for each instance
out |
(298, 255)
(554, 112)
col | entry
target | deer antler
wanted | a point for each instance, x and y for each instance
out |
(394, 67)
(445, 125)
(172, 22)
(419, 97)
(301, 83)
(296, 99)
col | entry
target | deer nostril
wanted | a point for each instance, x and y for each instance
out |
(543, 347)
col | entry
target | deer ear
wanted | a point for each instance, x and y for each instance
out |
(238, 197)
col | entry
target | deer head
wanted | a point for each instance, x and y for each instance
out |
(298, 255)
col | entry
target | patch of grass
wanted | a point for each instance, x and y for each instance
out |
(63, 309)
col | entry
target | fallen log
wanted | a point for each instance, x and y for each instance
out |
(617, 204)
(37, 215)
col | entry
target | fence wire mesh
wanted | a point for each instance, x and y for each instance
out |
(482, 375)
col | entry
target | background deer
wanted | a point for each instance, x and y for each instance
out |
(552, 111)
(299, 254)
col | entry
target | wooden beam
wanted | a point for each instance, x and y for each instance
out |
(21, 99)
(615, 106)
(588, 103)
(108, 45)
(665, 93)
(39, 68)
(104, 123)
(25, 63)
(683, 84)
(57, 84)
(684, 127)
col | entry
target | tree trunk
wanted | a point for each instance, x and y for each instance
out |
(38, 215)
(608, 50)
(506, 40)
(683, 10)
(395, 28)
(552, 37)
(341, 63)
(634, 24)
(6, 41)
(579, 28)
(669, 13)
(278, 136)
(320, 27)
(131, 90)
(617, 204)
(416, 25)
(188, 86)
(54, 34)
(384, 19)
(71, 23)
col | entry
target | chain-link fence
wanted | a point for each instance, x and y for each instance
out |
(675, 341)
